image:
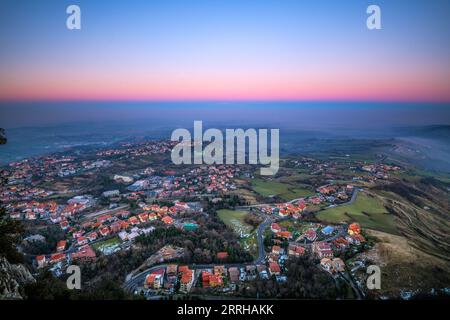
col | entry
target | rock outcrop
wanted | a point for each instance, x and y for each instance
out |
(12, 279)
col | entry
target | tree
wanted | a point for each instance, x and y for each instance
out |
(10, 232)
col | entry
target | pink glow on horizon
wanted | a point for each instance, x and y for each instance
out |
(137, 86)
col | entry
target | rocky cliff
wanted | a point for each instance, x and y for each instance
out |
(12, 279)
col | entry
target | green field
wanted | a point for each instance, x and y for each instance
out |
(367, 211)
(235, 220)
(283, 190)
(105, 244)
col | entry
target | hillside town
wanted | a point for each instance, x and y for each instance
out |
(136, 202)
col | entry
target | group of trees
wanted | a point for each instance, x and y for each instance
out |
(10, 232)
(48, 287)
(51, 233)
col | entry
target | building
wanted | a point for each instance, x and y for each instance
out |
(274, 268)
(233, 274)
(222, 255)
(187, 279)
(61, 246)
(353, 229)
(276, 249)
(332, 265)
(57, 257)
(296, 250)
(41, 261)
(81, 241)
(111, 193)
(310, 235)
(154, 280)
(167, 220)
(275, 227)
(284, 235)
(84, 253)
(322, 250)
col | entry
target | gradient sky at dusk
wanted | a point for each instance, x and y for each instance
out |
(225, 50)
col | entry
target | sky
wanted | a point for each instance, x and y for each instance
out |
(230, 50)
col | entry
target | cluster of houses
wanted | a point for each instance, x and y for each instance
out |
(198, 181)
(20, 174)
(48, 210)
(121, 224)
(138, 149)
(180, 278)
(334, 242)
(330, 193)
(286, 209)
(63, 257)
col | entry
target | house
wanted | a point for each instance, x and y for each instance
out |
(29, 215)
(133, 221)
(233, 274)
(340, 243)
(124, 225)
(353, 229)
(152, 216)
(84, 253)
(57, 257)
(61, 246)
(295, 250)
(64, 225)
(143, 217)
(338, 265)
(215, 281)
(92, 236)
(332, 265)
(276, 249)
(274, 268)
(310, 235)
(115, 226)
(41, 261)
(326, 264)
(205, 278)
(356, 239)
(14, 215)
(275, 227)
(301, 205)
(81, 241)
(322, 249)
(284, 234)
(155, 279)
(187, 279)
(219, 270)
(283, 213)
(222, 255)
(104, 231)
(123, 235)
(167, 220)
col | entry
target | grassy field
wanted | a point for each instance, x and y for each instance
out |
(366, 210)
(235, 220)
(283, 190)
(105, 244)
